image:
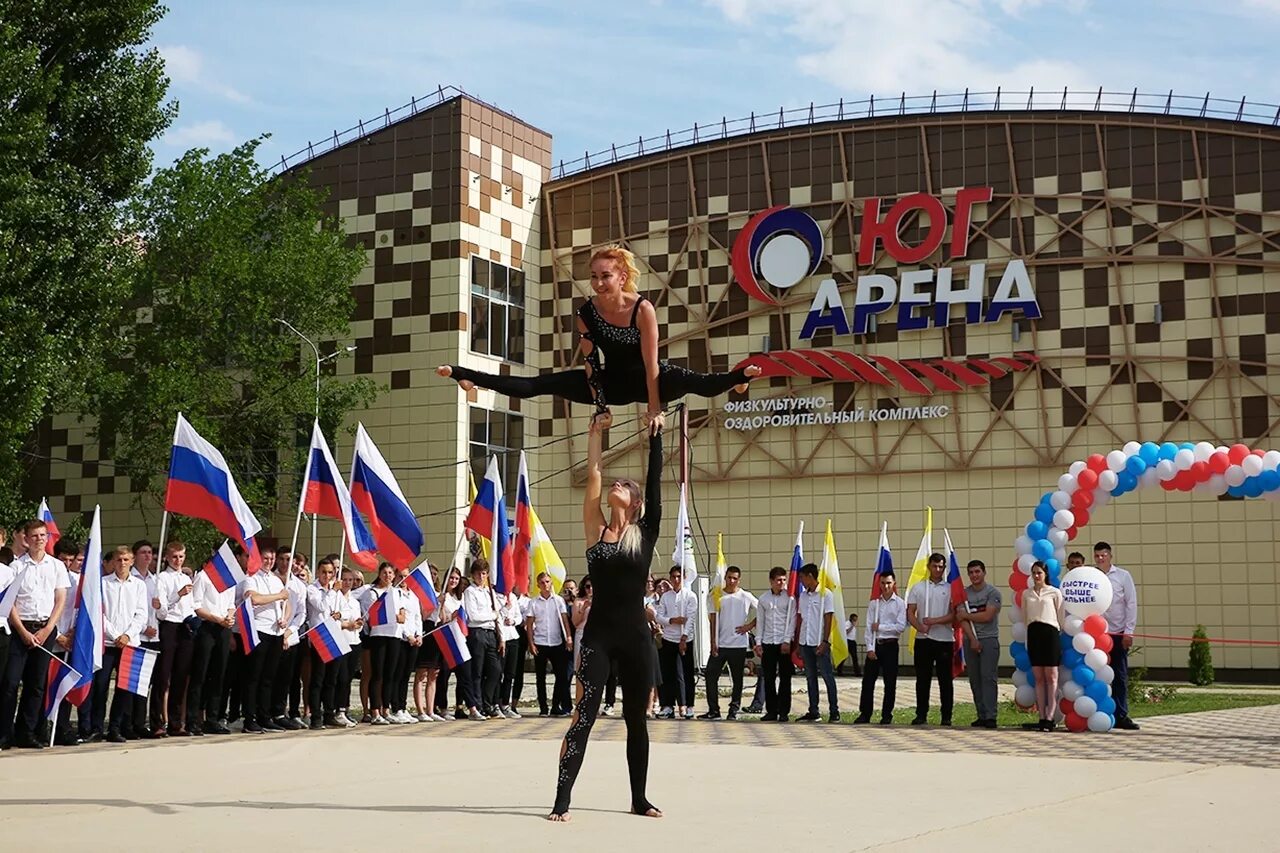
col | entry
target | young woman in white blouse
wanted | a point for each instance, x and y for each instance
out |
(450, 604)
(427, 666)
(1042, 610)
(384, 646)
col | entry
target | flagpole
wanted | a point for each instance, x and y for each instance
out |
(53, 724)
(164, 529)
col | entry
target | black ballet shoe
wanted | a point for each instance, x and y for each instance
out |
(646, 810)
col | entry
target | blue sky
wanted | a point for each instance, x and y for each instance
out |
(593, 74)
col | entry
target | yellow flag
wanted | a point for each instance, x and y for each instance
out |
(484, 543)
(829, 580)
(717, 583)
(543, 556)
(920, 568)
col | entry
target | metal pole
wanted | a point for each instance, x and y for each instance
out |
(314, 559)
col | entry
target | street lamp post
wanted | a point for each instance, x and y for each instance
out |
(320, 360)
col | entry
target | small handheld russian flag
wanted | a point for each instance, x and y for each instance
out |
(136, 665)
(223, 569)
(50, 525)
(328, 640)
(244, 626)
(383, 611)
(61, 679)
(419, 583)
(452, 640)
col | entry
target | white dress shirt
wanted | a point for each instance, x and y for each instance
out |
(509, 617)
(266, 617)
(851, 630)
(370, 597)
(1122, 615)
(153, 615)
(349, 607)
(775, 619)
(481, 606)
(548, 629)
(449, 605)
(813, 606)
(124, 608)
(208, 599)
(321, 604)
(174, 607)
(412, 613)
(297, 603)
(731, 615)
(932, 601)
(37, 582)
(67, 619)
(672, 604)
(891, 616)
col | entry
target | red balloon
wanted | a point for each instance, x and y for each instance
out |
(1072, 532)
(1067, 707)
(1219, 463)
(1017, 581)
(1087, 479)
(1095, 625)
(1096, 463)
(1103, 641)
(1168, 485)
(1081, 499)
(1082, 518)
(1075, 722)
(1237, 453)
(1200, 471)
(1257, 452)
(1017, 596)
(1183, 481)
(1015, 568)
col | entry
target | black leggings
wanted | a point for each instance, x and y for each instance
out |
(384, 663)
(619, 387)
(635, 672)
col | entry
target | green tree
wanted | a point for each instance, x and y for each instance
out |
(227, 251)
(80, 99)
(1200, 658)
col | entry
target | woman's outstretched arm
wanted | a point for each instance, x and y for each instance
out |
(653, 479)
(593, 520)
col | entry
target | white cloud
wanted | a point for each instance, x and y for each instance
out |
(211, 134)
(186, 67)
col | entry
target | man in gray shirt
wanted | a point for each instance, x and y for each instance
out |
(979, 618)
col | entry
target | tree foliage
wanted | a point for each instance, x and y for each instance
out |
(80, 99)
(227, 252)
(1200, 658)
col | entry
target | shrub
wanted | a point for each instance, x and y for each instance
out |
(1200, 658)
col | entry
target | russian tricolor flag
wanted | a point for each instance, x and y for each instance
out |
(383, 611)
(958, 596)
(324, 493)
(375, 492)
(488, 518)
(329, 641)
(419, 583)
(223, 569)
(50, 525)
(884, 561)
(452, 640)
(136, 665)
(74, 679)
(244, 626)
(61, 679)
(797, 560)
(201, 486)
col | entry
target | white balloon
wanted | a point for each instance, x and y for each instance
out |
(1252, 465)
(1271, 460)
(1025, 696)
(1072, 691)
(1067, 483)
(1064, 675)
(1086, 591)
(1165, 469)
(1058, 537)
(1015, 613)
(1222, 448)
(1019, 678)
(1203, 450)
(1234, 476)
(1216, 484)
(1116, 460)
(1019, 632)
(1083, 643)
(1108, 480)
(1025, 562)
(1079, 465)
(1095, 659)
(1184, 459)
(1100, 722)
(1131, 448)
(1101, 498)
(1106, 675)
(1086, 707)
(1064, 519)
(1060, 555)
(1022, 545)
(1149, 477)
(1073, 624)
(1060, 500)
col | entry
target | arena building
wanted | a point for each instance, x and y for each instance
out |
(954, 299)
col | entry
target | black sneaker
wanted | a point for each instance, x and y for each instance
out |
(218, 728)
(990, 724)
(769, 718)
(272, 726)
(116, 737)
(732, 715)
(317, 724)
(1037, 726)
(861, 721)
(709, 715)
(1126, 724)
(811, 717)
(919, 721)
(946, 724)
(251, 727)
(195, 729)
(886, 721)
(833, 717)
(753, 709)
(287, 724)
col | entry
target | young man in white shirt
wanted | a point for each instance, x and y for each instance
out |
(486, 645)
(124, 615)
(43, 590)
(509, 621)
(177, 642)
(68, 553)
(550, 642)
(886, 620)
(324, 601)
(775, 627)
(729, 629)
(286, 689)
(677, 616)
(1122, 621)
(144, 558)
(216, 611)
(929, 612)
(352, 627)
(816, 610)
(851, 639)
(270, 601)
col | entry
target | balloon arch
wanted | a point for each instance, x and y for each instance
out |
(1086, 675)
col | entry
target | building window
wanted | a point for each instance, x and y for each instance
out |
(497, 310)
(500, 433)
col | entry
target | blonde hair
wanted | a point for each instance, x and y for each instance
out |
(632, 539)
(625, 260)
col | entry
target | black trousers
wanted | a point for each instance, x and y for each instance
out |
(852, 660)
(229, 700)
(384, 663)
(618, 386)
(403, 673)
(27, 668)
(324, 681)
(462, 687)
(208, 667)
(138, 719)
(517, 686)
(286, 692)
(512, 668)
(121, 703)
(883, 665)
(736, 660)
(778, 670)
(486, 668)
(173, 671)
(933, 657)
(556, 657)
(347, 666)
(677, 674)
(259, 674)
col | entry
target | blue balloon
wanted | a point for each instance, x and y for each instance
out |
(1042, 549)
(1270, 480)
(1083, 676)
(1031, 678)
(1052, 566)
(1168, 450)
(1037, 530)
(1017, 649)
(1106, 705)
(1128, 480)
(1071, 658)
(1187, 445)
(1135, 465)
(1150, 452)
(1044, 515)
(1235, 491)
(1252, 487)
(1052, 578)
(1097, 691)
(1046, 498)
(1064, 639)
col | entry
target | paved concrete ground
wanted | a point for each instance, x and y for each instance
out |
(744, 786)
